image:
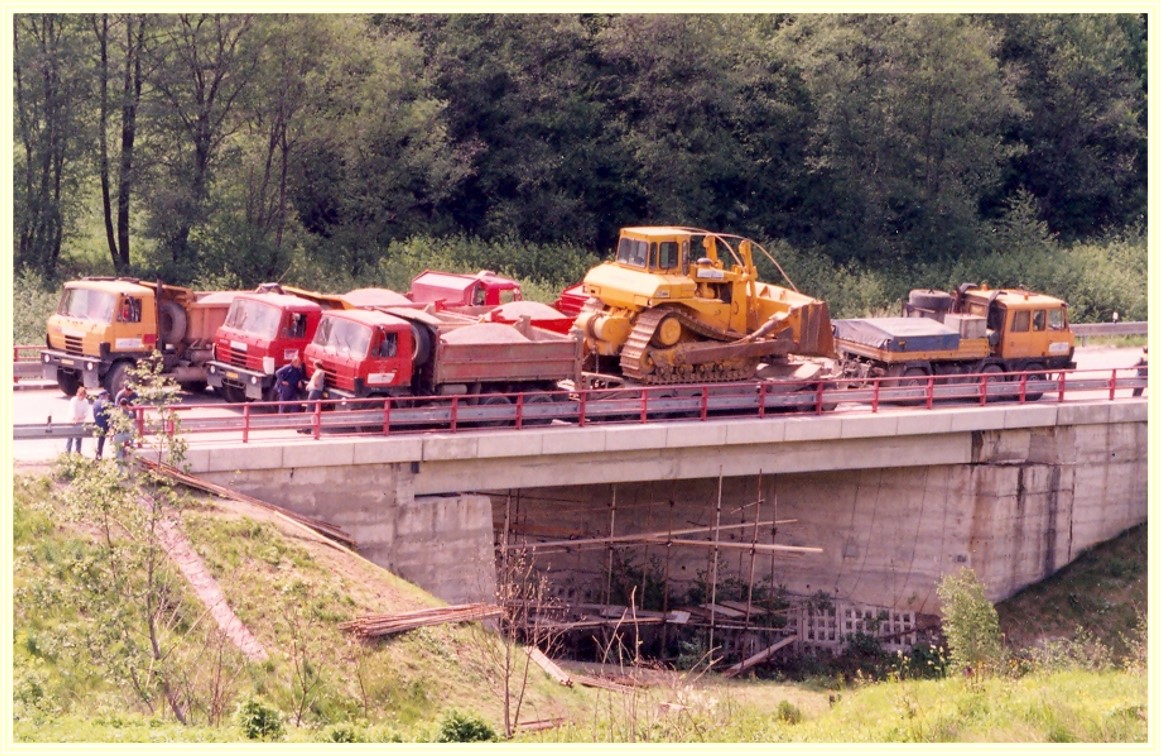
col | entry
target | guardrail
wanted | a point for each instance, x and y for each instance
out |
(625, 406)
(1132, 328)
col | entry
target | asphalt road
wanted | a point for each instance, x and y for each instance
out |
(37, 405)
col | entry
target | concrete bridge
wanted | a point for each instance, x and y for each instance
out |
(893, 500)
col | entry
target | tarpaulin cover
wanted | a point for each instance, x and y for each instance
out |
(898, 334)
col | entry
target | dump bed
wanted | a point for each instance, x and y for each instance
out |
(901, 339)
(501, 353)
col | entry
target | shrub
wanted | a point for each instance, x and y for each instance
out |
(259, 720)
(788, 712)
(463, 727)
(970, 622)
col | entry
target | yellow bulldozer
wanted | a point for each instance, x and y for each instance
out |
(668, 309)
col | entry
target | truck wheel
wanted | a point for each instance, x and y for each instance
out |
(993, 371)
(116, 378)
(1033, 396)
(495, 401)
(194, 387)
(914, 377)
(233, 394)
(68, 382)
(537, 398)
(173, 323)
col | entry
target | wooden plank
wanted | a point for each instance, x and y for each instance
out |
(550, 667)
(758, 658)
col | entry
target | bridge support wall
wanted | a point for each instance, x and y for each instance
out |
(893, 501)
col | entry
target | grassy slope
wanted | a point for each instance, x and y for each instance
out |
(292, 590)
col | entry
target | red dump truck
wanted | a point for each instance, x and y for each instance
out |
(409, 352)
(266, 328)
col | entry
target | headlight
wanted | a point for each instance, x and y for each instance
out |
(89, 366)
(254, 380)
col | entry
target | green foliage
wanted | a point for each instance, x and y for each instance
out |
(970, 623)
(259, 720)
(788, 712)
(34, 299)
(464, 727)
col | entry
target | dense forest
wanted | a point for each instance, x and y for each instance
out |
(236, 148)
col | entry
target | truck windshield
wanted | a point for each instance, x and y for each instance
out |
(258, 318)
(88, 304)
(343, 336)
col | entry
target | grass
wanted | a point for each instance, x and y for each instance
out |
(292, 591)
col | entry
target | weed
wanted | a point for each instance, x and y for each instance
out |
(464, 727)
(259, 720)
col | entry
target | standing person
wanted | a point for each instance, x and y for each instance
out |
(101, 409)
(289, 379)
(79, 413)
(123, 429)
(314, 389)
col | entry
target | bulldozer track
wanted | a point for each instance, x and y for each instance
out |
(638, 364)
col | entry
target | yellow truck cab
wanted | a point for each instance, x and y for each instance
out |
(103, 326)
(1022, 324)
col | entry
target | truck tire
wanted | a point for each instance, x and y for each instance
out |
(914, 377)
(117, 377)
(173, 323)
(494, 401)
(423, 344)
(233, 394)
(537, 398)
(1040, 375)
(68, 382)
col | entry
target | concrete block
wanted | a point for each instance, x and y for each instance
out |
(684, 435)
(923, 423)
(978, 418)
(243, 457)
(330, 454)
(1082, 414)
(631, 438)
(1129, 412)
(370, 451)
(813, 428)
(765, 431)
(1030, 415)
(862, 426)
(514, 444)
(575, 441)
(441, 447)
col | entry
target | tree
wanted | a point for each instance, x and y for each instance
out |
(1083, 83)
(200, 66)
(131, 52)
(375, 161)
(50, 89)
(909, 129)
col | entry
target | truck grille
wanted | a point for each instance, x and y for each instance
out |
(232, 357)
(73, 345)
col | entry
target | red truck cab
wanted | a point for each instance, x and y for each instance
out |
(484, 289)
(263, 331)
(363, 353)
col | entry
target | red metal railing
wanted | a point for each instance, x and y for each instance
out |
(636, 406)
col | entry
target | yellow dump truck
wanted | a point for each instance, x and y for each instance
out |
(104, 326)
